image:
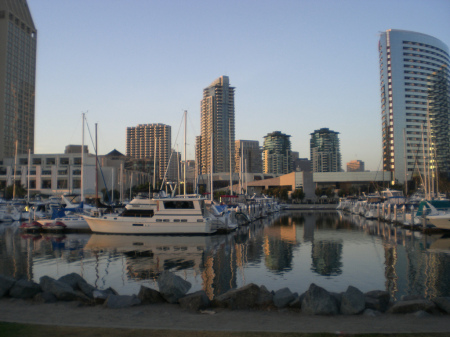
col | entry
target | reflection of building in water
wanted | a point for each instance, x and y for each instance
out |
(308, 228)
(16, 254)
(279, 242)
(219, 274)
(327, 258)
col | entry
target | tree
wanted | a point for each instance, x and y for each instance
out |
(298, 194)
(20, 191)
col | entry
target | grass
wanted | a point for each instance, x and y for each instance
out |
(33, 330)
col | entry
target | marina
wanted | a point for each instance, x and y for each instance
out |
(289, 249)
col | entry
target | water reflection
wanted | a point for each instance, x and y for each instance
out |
(331, 249)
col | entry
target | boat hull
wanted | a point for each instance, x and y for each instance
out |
(439, 221)
(153, 225)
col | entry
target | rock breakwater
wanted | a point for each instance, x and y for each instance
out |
(174, 290)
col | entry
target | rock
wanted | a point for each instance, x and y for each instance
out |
(353, 301)
(265, 298)
(195, 302)
(318, 301)
(6, 284)
(100, 296)
(45, 297)
(371, 313)
(337, 297)
(421, 314)
(24, 289)
(121, 301)
(77, 282)
(237, 299)
(72, 280)
(407, 307)
(61, 290)
(149, 296)
(172, 287)
(377, 300)
(86, 289)
(296, 303)
(442, 303)
(283, 297)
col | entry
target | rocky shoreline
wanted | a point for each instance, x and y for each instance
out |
(174, 290)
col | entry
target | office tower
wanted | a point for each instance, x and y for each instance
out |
(325, 151)
(217, 119)
(151, 141)
(414, 83)
(277, 153)
(17, 78)
(248, 155)
(355, 166)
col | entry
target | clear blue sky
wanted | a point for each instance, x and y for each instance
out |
(297, 66)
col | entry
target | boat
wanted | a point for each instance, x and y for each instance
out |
(56, 226)
(169, 215)
(33, 226)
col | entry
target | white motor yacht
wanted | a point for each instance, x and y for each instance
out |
(175, 215)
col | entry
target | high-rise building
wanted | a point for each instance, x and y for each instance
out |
(18, 38)
(414, 83)
(217, 119)
(152, 142)
(325, 151)
(277, 153)
(355, 166)
(248, 155)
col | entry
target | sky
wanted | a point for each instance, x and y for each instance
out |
(297, 66)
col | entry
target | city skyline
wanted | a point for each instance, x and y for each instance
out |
(297, 66)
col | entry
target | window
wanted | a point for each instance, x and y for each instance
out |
(182, 204)
(64, 161)
(62, 184)
(37, 161)
(76, 183)
(50, 161)
(46, 183)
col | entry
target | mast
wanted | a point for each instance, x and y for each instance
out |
(82, 158)
(212, 172)
(231, 173)
(184, 173)
(96, 165)
(406, 166)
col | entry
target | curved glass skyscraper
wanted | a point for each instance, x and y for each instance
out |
(415, 102)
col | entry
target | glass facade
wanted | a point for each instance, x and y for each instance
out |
(325, 151)
(414, 84)
(277, 153)
(17, 78)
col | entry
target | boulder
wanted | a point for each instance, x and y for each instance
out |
(121, 301)
(100, 296)
(265, 298)
(337, 297)
(411, 297)
(377, 300)
(172, 287)
(61, 290)
(45, 297)
(24, 289)
(6, 284)
(72, 280)
(353, 301)
(77, 282)
(283, 297)
(245, 297)
(149, 296)
(318, 301)
(407, 307)
(442, 303)
(371, 313)
(195, 302)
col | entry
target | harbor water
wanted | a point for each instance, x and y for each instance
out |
(292, 249)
